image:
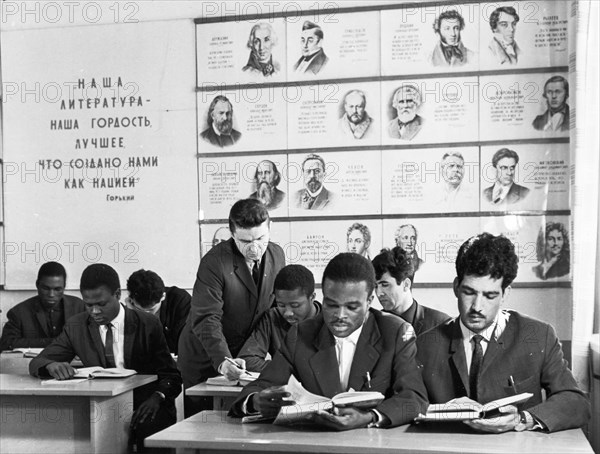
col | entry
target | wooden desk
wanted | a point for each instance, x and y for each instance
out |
(223, 396)
(213, 431)
(89, 417)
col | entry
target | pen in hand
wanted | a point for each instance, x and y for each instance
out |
(231, 361)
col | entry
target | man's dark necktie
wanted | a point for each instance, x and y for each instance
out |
(256, 273)
(109, 353)
(476, 361)
(452, 51)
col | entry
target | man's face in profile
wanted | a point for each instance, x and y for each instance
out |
(453, 170)
(314, 174)
(262, 44)
(356, 242)
(506, 28)
(222, 116)
(450, 31)
(556, 95)
(407, 239)
(554, 243)
(310, 42)
(265, 176)
(406, 104)
(355, 108)
(505, 171)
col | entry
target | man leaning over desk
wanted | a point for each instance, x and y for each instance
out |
(372, 350)
(487, 353)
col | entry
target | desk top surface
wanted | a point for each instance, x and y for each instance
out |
(213, 430)
(19, 385)
(202, 389)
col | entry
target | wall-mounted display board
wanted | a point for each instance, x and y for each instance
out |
(420, 124)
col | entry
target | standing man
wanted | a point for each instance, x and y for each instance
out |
(356, 122)
(505, 190)
(110, 335)
(35, 322)
(266, 180)
(450, 51)
(503, 48)
(557, 117)
(487, 353)
(260, 42)
(313, 58)
(406, 125)
(294, 290)
(314, 196)
(147, 293)
(406, 238)
(220, 130)
(233, 289)
(394, 272)
(373, 351)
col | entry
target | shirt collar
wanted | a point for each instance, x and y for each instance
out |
(496, 328)
(119, 320)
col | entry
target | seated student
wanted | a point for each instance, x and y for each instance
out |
(36, 321)
(487, 353)
(294, 290)
(395, 272)
(110, 335)
(147, 293)
(372, 351)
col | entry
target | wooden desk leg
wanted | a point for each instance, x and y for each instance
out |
(109, 423)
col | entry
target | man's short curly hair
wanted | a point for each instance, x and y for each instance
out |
(396, 262)
(293, 277)
(452, 15)
(145, 287)
(496, 14)
(350, 267)
(488, 255)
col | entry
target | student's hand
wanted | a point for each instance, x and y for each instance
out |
(232, 372)
(270, 400)
(146, 411)
(342, 418)
(504, 422)
(61, 371)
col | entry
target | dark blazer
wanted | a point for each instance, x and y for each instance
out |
(515, 194)
(385, 349)
(541, 120)
(173, 314)
(222, 141)
(423, 318)
(27, 324)
(318, 62)
(226, 305)
(528, 350)
(321, 202)
(275, 202)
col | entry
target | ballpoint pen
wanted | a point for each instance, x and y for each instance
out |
(368, 380)
(231, 361)
(511, 382)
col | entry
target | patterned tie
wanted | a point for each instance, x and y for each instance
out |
(108, 347)
(256, 273)
(476, 361)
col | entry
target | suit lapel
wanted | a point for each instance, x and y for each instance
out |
(324, 364)
(241, 270)
(131, 323)
(42, 319)
(457, 351)
(94, 331)
(496, 346)
(366, 355)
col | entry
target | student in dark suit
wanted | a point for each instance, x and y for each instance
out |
(347, 346)
(233, 289)
(394, 271)
(110, 335)
(313, 58)
(36, 321)
(487, 353)
(505, 191)
(557, 117)
(294, 290)
(147, 293)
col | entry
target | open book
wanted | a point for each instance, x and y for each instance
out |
(86, 373)
(460, 411)
(28, 352)
(307, 403)
(245, 378)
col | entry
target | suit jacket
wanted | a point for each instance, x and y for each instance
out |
(541, 120)
(528, 350)
(437, 57)
(516, 193)
(173, 314)
(499, 55)
(145, 350)
(318, 61)
(321, 201)
(385, 349)
(27, 324)
(410, 131)
(278, 197)
(226, 305)
(423, 318)
(222, 141)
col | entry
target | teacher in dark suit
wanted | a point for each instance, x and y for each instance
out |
(487, 353)
(313, 58)
(233, 289)
(347, 346)
(110, 335)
